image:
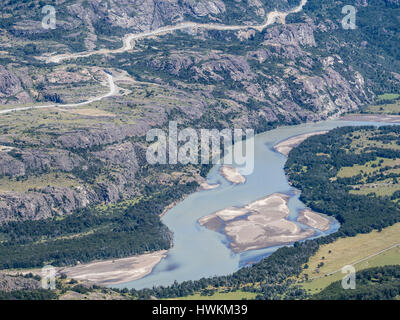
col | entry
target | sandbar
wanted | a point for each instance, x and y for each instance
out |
(111, 272)
(207, 186)
(232, 174)
(287, 145)
(314, 220)
(260, 224)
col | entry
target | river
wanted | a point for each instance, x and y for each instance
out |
(198, 252)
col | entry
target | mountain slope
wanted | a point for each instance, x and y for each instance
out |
(57, 161)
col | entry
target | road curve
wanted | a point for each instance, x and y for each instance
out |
(272, 17)
(128, 39)
(111, 92)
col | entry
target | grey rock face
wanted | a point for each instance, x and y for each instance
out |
(16, 282)
(9, 83)
(51, 201)
(10, 166)
(41, 203)
(38, 161)
(299, 34)
(43, 160)
(302, 87)
(135, 15)
(107, 134)
(122, 154)
(11, 87)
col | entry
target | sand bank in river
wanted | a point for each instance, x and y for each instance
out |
(117, 271)
(287, 145)
(314, 220)
(207, 186)
(261, 224)
(232, 175)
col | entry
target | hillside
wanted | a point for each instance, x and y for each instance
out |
(57, 163)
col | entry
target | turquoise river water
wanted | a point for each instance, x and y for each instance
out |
(198, 252)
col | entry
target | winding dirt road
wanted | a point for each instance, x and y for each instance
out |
(272, 17)
(112, 91)
(128, 44)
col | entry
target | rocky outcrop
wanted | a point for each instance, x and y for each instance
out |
(10, 283)
(9, 83)
(47, 160)
(95, 18)
(121, 154)
(47, 203)
(107, 134)
(9, 166)
(11, 87)
(50, 201)
(288, 41)
(302, 87)
(174, 65)
(22, 162)
(119, 162)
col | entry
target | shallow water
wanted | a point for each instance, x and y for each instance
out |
(199, 252)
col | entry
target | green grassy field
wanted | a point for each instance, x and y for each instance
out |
(346, 251)
(359, 251)
(362, 140)
(380, 191)
(388, 96)
(369, 167)
(390, 257)
(391, 107)
(372, 172)
(59, 179)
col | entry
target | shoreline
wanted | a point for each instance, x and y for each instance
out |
(115, 271)
(314, 220)
(105, 272)
(284, 147)
(171, 205)
(203, 186)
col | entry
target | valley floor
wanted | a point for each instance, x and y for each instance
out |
(363, 251)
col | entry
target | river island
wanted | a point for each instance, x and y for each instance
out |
(260, 224)
(232, 175)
